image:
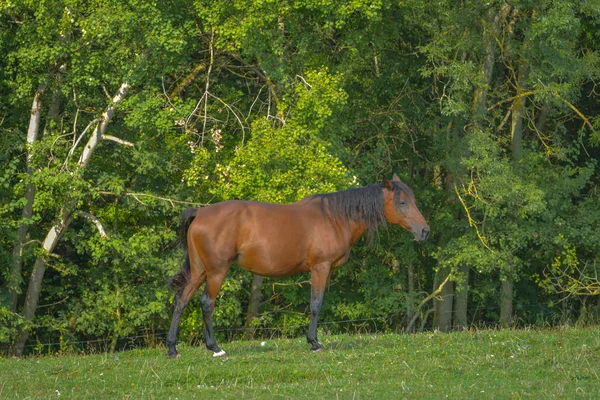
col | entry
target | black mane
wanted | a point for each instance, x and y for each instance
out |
(363, 204)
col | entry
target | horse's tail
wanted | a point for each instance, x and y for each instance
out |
(181, 279)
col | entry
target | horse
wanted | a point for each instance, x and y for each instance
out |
(312, 235)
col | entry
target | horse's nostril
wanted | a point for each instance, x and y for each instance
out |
(425, 233)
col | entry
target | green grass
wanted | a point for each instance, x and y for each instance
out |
(563, 363)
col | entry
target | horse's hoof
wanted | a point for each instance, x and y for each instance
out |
(173, 356)
(317, 349)
(220, 354)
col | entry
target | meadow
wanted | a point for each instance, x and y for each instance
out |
(563, 363)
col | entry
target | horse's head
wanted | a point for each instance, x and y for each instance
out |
(401, 208)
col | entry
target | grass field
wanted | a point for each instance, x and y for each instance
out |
(510, 364)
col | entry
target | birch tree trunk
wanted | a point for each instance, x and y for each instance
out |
(15, 279)
(56, 231)
(35, 282)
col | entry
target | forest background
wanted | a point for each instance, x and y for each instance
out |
(117, 115)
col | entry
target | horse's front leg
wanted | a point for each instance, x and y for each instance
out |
(319, 276)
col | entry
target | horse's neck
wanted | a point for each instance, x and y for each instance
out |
(357, 229)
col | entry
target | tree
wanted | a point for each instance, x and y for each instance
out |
(502, 187)
(59, 41)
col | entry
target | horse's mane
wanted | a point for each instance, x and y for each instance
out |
(363, 205)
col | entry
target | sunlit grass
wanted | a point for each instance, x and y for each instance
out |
(561, 363)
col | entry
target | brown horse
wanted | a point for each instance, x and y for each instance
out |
(313, 235)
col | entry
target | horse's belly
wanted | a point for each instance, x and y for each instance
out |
(265, 260)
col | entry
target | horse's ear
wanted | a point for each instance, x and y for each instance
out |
(395, 178)
(388, 184)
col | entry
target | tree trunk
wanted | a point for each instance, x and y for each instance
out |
(98, 134)
(254, 304)
(460, 303)
(435, 322)
(517, 129)
(35, 282)
(53, 236)
(410, 312)
(491, 31)
(436, 291)
(444, 305)
(439, 182)
(596, 312)
(15, 279)
(506, 299)
(540, 124)
(54, 111)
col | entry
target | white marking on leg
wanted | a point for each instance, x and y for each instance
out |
(219, 354)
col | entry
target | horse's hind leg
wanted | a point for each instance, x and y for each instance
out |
(182, 298)
(207, 300)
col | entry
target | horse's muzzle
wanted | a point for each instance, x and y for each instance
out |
(424, 235)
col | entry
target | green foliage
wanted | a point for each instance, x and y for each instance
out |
(280, 165)
(10, 323)
(126, 289)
